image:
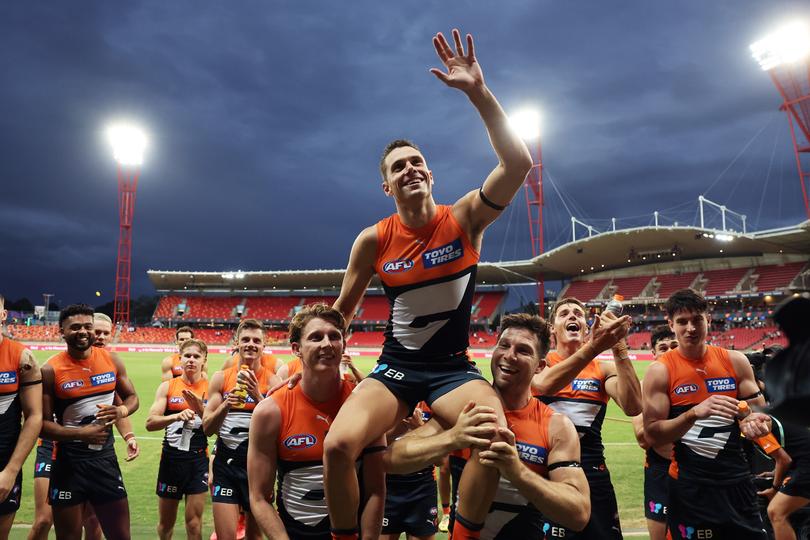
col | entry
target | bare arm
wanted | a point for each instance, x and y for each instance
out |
(430, 444)
(30, 393)
(374, 492)
(514, 160)
(638, 431)
(624, 388)
(358, 273)
(265, 425)
(746, 382)
(217, 408)
(166, 369)
(565, 496)
(604, 334)
(124, 427)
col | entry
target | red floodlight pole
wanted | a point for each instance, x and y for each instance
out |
(785, 55)
(128, 146)
(527, 124)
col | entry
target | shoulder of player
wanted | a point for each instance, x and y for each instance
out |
(561, 429)
(657, 374)
(216, 382)
(267, 415)
(738, 361)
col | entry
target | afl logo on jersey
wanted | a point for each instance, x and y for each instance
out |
(688, 388)
(177, 400)
(721, 384)
(69, 385)
(102, 378)
(300, 441)
(395, 267)
(443, 254)
(8, 377)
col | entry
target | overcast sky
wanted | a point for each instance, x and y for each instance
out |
(266, 121)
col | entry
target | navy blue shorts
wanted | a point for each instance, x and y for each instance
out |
(604, 523)
(12, 502)
(44, 459)
(413, 382)
(230, 482)
(180, 477)
(97, 481)
(796, 483)
(411, 504)
(656, 488)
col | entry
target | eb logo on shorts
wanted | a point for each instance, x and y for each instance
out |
(61, 495)
(224, 492)
(389, 373)
(721, 384)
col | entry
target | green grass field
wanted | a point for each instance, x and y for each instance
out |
(624, 457)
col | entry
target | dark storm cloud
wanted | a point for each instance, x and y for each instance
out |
(266, 123)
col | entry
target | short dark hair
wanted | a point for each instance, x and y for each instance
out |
(249, 324)
(315, 311)
(685, 300)
(567, 300)
(534, 324)
(75, 309)
(660, 332)
(390, 147)
(187, 329)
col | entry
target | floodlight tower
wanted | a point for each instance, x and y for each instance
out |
(128, 145)
(527, 124)
(785, 55)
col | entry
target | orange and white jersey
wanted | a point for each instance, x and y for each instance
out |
(79, 385)
(511, 515)
(429, 277)
(711, 450)
(233, 434)
(304, 424)
(175, 402)
(177, 367)
(294, 366)
(584, 402)
(10, 410)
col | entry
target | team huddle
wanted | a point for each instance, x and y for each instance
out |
(304, 451)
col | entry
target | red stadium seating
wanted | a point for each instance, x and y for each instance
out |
(214, 336)
(485, 305)
(773, 278)
(723, 282)
(366, 339)
(631, 287)
(147, 335)
(585, 291)
(206, 308)
(373, 309)
(670, 283)
(166, 307)
(271, 307)
(639, 340)
(22, 332)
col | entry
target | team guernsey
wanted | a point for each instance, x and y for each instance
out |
(428, 274)
(304, 423)
(511, 514)
(711, 492)
(177, 366)
(230, 464)
(584, 401)
(10, 415)
(82, 471)
(183, 471)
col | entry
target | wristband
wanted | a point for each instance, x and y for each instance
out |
(129, 436)
(126, 411)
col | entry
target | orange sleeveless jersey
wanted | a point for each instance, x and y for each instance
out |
(294, 366)
(175, 402)
(584, 401)
(10, 411)
(233, 434)
(304, 424)
(711, 451)
(177, 368)
(429, 277)
(79, 385)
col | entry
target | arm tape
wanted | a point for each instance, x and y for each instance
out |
(565, 464)
(488, 202)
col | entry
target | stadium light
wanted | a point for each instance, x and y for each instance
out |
(128, 142)
(789, 43)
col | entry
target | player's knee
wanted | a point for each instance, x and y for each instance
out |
(193, 526)
(776, 513)
(339, 448)
(41, 524)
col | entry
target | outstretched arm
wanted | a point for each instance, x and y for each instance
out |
(514, 161)
(358, 273)
(265, 424)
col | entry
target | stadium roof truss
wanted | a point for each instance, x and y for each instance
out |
(613, 250)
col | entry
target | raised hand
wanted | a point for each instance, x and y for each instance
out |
(475, 427)
(194, 401)
(463, 70)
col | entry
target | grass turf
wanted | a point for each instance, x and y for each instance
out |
(624, 457)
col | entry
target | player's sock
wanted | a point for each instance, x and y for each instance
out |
(465, 529)
(446, 509)
(344, 534)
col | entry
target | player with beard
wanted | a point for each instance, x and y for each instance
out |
(657, 458)
(287, 433)
(20, 419)
(79, 387)
(691, 397)
(426, 256)
(542, 483)
(183, 468)
(228, 415)
(579, 385)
